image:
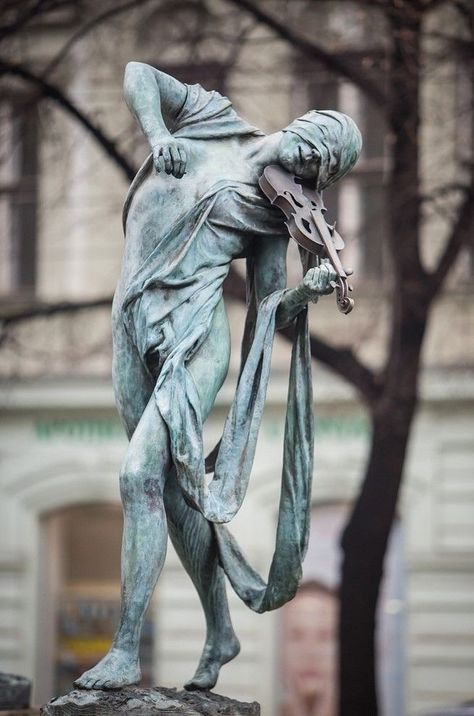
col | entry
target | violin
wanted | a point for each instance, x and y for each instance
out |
(304, 209)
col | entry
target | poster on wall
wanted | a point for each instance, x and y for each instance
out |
(308, 629)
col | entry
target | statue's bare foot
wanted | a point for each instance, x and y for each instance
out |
(118, 668)
(213, 657)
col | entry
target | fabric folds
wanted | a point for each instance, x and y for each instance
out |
(167, 307)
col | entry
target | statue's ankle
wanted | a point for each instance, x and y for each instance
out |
(131, 650)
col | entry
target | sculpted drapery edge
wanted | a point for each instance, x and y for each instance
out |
(176, 393)
(297, 471)
(177, 401)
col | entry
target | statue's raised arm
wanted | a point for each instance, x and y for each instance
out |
(155, 99)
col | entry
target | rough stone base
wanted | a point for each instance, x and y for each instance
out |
(147, 702)
(466, 709)
(14, 692)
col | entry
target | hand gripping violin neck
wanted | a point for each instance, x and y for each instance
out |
(304, 209)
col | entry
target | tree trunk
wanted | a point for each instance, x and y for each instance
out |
(364, 543)
(366, 535)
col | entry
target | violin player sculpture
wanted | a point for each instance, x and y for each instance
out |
(214, 188)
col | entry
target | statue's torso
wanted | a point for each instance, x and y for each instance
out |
(162, 199)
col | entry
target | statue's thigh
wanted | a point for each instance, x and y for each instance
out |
(133, 385)
(210, 363)
(147, 462)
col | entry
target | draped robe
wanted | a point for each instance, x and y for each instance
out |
(166, 308)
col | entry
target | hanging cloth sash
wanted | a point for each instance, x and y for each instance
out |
(295, 499)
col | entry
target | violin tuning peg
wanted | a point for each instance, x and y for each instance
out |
(349, 271)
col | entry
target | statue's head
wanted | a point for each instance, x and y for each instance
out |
(322, 145)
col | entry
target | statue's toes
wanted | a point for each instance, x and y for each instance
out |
(85, 681)
(202, 680)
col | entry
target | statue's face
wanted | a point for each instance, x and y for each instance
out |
(298, 157)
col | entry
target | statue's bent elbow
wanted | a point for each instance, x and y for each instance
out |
(134, 73)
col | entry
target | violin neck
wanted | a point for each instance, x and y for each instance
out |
(325, 234)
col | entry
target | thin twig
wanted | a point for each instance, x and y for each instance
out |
(55, 93)
(332, 62)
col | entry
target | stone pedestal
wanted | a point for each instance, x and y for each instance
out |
(466, 709)
(147, 702)
(15, 692)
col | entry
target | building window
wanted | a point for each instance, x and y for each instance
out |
(18, 196)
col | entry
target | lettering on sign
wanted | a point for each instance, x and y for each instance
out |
(80, 429)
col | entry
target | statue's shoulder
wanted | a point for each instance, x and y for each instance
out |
(208, 114)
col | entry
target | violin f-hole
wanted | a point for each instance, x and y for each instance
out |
(307, 225)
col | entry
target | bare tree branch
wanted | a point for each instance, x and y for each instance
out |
(30, 11)
(332, 62)
(345, 364)
(88, 27)
(341, 361)
(55, 93)
(461, 235)
(44, 310)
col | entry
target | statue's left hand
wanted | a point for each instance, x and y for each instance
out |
(169, 155)
(319, 281)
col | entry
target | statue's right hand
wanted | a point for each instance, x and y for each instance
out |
(169, 155)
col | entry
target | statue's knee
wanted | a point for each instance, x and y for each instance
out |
(136, 485)
(128, 484)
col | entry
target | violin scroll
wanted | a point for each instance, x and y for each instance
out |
(344, 302)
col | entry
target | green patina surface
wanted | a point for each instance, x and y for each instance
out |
(193, 208)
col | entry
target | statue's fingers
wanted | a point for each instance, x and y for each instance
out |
(175, 160)
(322, 276)
(168, 161)
(313, 275)
(182, 161)
(160, 163)
(329, 288)
(327, 278)
(328, 269)
(183, 154)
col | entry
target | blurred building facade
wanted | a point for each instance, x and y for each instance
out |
(61, 442)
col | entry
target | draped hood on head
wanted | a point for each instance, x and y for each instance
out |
(335, 137)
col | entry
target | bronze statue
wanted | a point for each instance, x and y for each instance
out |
(194, 206)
